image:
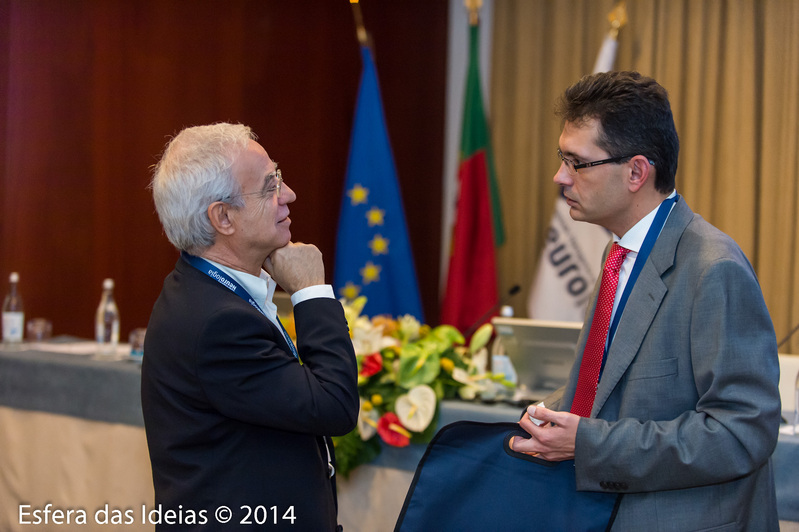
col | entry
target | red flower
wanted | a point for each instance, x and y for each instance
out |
(391, 430)
(371, 364)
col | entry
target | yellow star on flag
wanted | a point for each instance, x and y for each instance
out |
(375, 216)
(379, 245)
(350, 291)
(370, 272)
(358, 194)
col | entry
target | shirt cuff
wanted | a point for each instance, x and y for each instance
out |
(312, 292)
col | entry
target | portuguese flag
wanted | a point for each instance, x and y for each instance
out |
(472, 279)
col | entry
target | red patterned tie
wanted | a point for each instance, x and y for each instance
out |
(597, 336)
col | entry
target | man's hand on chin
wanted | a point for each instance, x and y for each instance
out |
(296, 266)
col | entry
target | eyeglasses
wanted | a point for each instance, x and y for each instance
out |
(572, 166)
(276, 178)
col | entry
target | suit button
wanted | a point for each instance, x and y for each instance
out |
(603, 485)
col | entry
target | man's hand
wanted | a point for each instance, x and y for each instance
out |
(296, 266)
(553, 440)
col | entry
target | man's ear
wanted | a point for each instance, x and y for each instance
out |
(642, 171)
(218, 214)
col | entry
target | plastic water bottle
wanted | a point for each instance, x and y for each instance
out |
(13, 313)
(107, 322)
(500, 362)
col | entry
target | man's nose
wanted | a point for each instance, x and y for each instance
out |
(562, 177)
(287, 195)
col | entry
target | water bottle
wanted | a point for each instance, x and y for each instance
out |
(13, 313)
(107, 322)
(500, 362)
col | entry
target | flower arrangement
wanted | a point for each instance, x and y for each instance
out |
(405, 369)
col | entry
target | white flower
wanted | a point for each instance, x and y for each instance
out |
(367, 422)
(471, 384)
(409, 328)
(468, 393)
(368, 338)
(416, 408)
(479, 361)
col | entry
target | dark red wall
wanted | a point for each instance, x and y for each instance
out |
(90, 91)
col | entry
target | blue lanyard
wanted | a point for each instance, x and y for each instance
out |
(643, 254)
(222, 278)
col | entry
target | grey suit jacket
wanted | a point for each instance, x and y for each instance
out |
(687, 410)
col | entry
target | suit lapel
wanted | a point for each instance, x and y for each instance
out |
(642, 306)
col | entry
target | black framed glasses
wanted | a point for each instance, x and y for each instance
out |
(572, 166)
(276, 178)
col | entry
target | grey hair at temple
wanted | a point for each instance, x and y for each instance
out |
(193, 172)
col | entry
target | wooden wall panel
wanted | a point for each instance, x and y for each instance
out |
(91, 91)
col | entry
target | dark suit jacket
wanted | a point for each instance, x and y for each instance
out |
(232, 418)
(687, 411)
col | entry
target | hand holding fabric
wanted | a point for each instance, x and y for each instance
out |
(553, 440)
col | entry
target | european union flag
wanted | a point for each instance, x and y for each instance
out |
(373, 254)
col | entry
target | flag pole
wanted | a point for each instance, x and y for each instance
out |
(474, 10)
(617, 18)
(607, 52)
(360, 29)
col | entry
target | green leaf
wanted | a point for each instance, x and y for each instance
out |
(481, 337)
(415, 370)
(448, 333)
(352, 451)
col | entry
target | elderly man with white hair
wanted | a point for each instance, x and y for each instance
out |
(237, 417)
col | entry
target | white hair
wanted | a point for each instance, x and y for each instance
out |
(195, 171)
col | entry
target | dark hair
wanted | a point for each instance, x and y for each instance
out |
(634, 118)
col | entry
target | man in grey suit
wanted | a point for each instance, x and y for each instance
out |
(686, 408)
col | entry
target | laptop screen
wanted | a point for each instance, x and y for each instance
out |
(541, 351)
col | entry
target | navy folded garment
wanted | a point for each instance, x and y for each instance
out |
(469, 479)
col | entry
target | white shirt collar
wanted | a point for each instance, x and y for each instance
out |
(261, 288)
(634, 238)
